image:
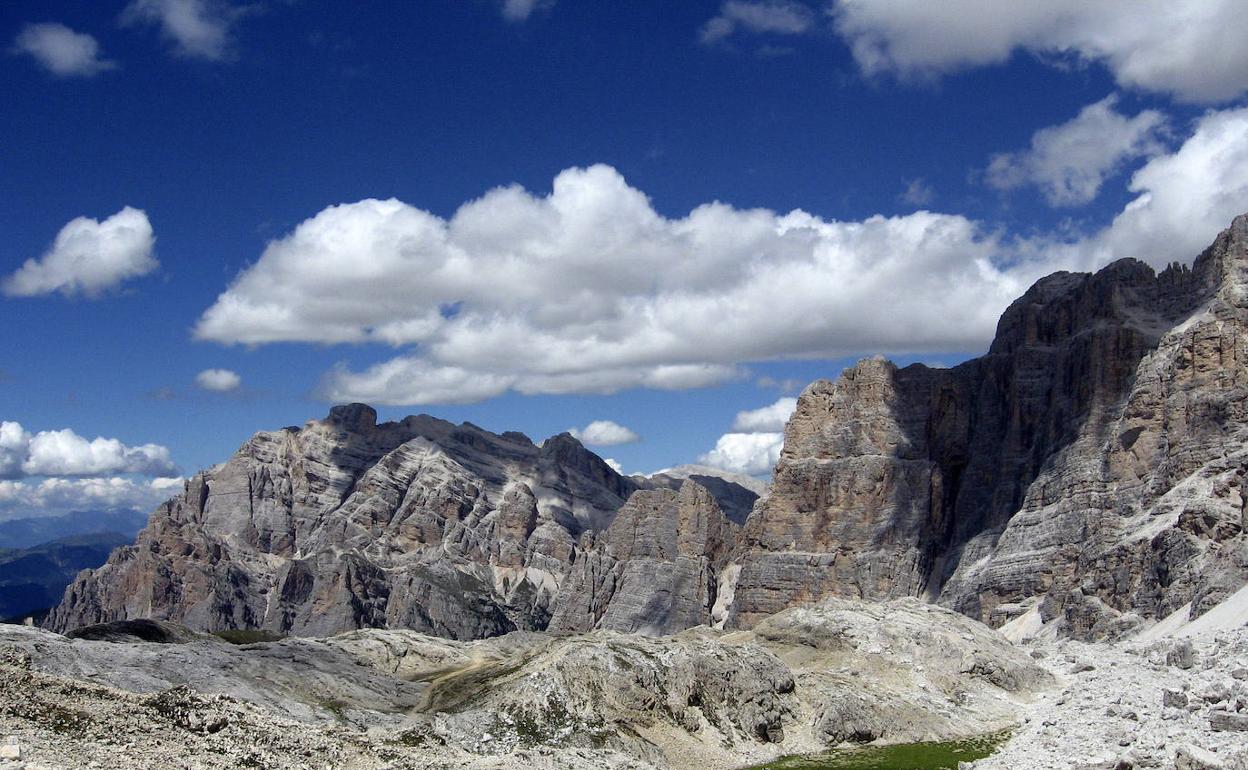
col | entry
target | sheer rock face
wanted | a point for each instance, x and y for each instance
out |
(1093, 457)
(655, 570)
(347, 524)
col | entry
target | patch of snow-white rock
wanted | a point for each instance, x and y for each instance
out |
(1174, 697)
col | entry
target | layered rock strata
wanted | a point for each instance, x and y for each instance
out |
(344, 523)
(1092, 460)
(1088, 469)
(655, 570)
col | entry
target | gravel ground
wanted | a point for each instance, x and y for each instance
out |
(1168, 703)
(1178, 701)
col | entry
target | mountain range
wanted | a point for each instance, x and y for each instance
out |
(35, 530)
(1084, 475)
(33, 579)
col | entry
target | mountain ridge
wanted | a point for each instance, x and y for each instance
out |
(348, 523)
(1009, 479)
(26, 532)
(1087, 467)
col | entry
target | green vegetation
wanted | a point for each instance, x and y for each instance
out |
(905, 756)
(248, 635)
(335, 707)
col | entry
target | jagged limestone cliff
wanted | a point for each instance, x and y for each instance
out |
(1092, 459)
(345, 523)
(656, 568)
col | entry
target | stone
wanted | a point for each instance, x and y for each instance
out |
(379, 698)
(656, 568)
(1181, 655)
(1226, 721)
(1086, 475)
(10, 751)
(1191, 757)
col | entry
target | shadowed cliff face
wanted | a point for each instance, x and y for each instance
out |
(654, 570)
(1058, 465)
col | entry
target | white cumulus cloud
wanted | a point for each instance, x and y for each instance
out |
(753, 446)
(54, 496)
(14, 444)
(768, 419)
(1069, 162)
(589, 290)
(1192, 50)
(62, 51)
(65, 453)
(1184, 198)
(754, 454)
(220, 380)
(89, 257)
(604, 433)
(198, 29)
(781, 17)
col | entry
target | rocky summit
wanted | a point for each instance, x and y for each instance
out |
(1089, 469)
(1087, 474)
(346, 523)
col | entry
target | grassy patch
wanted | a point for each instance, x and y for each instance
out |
(905, 756)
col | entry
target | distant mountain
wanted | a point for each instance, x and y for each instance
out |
(28, 532)
(33, 579)
(735, 493)
(1089, 472)
(346, 523)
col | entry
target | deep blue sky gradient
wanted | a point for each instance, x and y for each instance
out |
(435, 103)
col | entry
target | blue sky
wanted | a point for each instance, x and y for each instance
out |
(676, 211)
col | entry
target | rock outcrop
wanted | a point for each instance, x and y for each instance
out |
(735, 493)
(1093, 460)
(345, 523)
(157, 696)
(656, 568)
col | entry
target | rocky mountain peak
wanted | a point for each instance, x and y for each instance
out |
(1086, 471)
(655, 570)
(563, 452)
(1057, 467)
(356, 417)
(1223, 267)
(348, 523)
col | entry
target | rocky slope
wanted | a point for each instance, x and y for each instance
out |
(159, 695)
(1090, 464)
(1172, 697)
(345, 523)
